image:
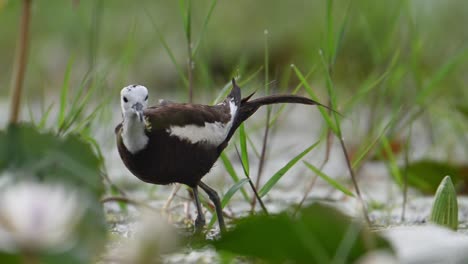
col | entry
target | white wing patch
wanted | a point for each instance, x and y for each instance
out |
(212, 133)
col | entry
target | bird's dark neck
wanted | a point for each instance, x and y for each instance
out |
(133, 133)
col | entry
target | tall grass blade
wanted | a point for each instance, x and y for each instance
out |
(167, 48)
(31, 113)
(45, 116)
(311, 93)
(392, 164)
(341, 33)
(332, 95)
(252, 146)
(250, 77)
(244, 152)
(223, 93)
(185, 8)
(227, 197)
(236, 187)
(369, 84)
(280, 173)
(87, 120)
(226, 88)
(254, 190)
(328, 179)
(204, 27)
(330, 46)
(230, 169)
(295, 91)
(360, 156)
(444, 70)
(64, 94)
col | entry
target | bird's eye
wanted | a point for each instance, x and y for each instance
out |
(125, 99)
(146, 98)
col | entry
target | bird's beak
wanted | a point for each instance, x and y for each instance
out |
(138, 110)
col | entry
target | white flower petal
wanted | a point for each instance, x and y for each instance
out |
(36, 216)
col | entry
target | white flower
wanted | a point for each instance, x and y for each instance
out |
(153, 237)
(38, 217)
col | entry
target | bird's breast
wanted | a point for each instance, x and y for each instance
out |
(168, 159)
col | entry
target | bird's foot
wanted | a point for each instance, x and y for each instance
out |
(199, 224)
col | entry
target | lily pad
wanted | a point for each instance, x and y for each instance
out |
(317, 234)
(425, 175)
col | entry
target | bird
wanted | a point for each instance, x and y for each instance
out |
(180, 142)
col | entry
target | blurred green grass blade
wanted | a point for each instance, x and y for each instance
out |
(127, 56)
(185, 8)
(204, 27)
(77, 110)
(227, 197)
(80, 105)
(266, 64)
(295, 91)
(328, 179)
(167, 48)
(80, 125)
(329, 27)
(252, 146)
(45, 116)
(350, 238)
(440, 75)
(355, 162)
(332, 95)
(280, 173)
(311, 93)
(391, 163)
(97, 149)
(244, 152)
(369, 84)
(188, 22)
(250, 77)
(236, 187)
(230, 169)
(64, 93)
(85, 82)
(223, 93)
(341, 34)
(30, 113)
(227, 87)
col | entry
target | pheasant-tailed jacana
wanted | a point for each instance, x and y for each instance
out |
(179, 143)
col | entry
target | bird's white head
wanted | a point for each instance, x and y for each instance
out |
(133, 100)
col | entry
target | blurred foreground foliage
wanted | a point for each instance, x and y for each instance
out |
(316, 234)
(426, 175)
(29, 155)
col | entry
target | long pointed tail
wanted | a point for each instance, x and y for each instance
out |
(249, 107)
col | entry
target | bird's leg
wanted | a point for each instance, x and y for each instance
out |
(200, 220)
(217, 203)
(171, 196)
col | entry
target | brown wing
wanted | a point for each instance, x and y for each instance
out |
(164, 116)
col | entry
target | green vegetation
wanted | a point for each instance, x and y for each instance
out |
(445, 208)
(394, 72)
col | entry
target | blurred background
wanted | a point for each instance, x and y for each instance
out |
(120, 39)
